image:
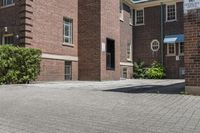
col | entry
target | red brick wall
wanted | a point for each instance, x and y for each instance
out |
(192, 50)
(53, 70)
(110, 28)
(44, 30)
(89, 39)
(126, 36)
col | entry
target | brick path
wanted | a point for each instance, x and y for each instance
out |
(82, 107)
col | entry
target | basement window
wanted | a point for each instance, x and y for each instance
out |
(7, 2)
(110, 54)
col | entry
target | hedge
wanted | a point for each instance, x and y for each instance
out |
(19, 65)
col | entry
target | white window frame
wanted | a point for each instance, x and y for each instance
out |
(130, 56)
(3, 38)
(181, 54)
(171, 54)
(6, 4)
(121, 11)
(70, 25)
(138, 24)
(170, 4)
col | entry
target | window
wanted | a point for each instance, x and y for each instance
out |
(110, 54)
(125, 73)
(7, 2)
(68, 31)
(181, 49)
(139, 17)
(129, 52)
(8, 39)
(155, 45)
(131, 16)
(68, 70)
(171, 12)
(121, 11)
(171, 49)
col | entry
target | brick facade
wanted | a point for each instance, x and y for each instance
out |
(98, 20)
(126, 37)
(39, 24)
(143, 36)
(192, 51)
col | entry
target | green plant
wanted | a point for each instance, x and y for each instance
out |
(156, 71)
(139, 70)
(19, 65)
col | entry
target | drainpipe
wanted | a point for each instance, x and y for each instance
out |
(162, 34)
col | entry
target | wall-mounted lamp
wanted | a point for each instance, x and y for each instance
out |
(6, 29)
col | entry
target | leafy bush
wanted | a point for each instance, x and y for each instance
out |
(156, 71)
(139, 70)
(19, 65)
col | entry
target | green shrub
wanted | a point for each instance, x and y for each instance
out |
(156, 71)
(139, 70)
(19, 65)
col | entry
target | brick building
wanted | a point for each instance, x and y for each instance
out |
(192, 46)
(96, 39)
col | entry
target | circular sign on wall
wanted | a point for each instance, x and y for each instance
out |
(155, 45)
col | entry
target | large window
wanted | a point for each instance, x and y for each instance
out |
(129, 52)
(171, 12)
(110, 54)
(68, 31)
(139, 17)
(171, 49)
(8, 39)
(7, 2)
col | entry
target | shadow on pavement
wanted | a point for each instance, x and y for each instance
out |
(178, 88)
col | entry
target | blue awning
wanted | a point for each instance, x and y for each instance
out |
(174, 39)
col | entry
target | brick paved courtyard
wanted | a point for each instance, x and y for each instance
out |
(84, 107)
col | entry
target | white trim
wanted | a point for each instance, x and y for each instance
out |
(2, 7)
(136, 17)
(153, 3)
(152, 42)
(59, 57)
(126, 64)
(166, 10)
(131, 16)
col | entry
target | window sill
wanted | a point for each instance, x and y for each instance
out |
(170, 21)
(110, 69)
(181, 54)
(68, 44)
(129, 60)
(121, 19)
(170, 55)
(139, 24)
(7, 6)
